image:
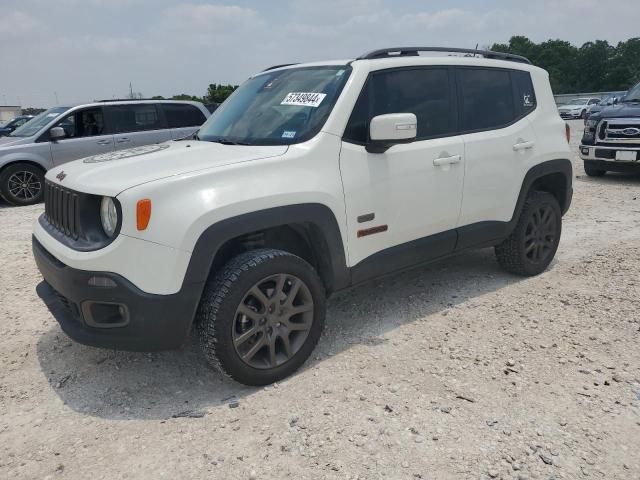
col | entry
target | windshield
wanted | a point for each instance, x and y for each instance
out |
(34, 125)
(633, 95)
(578, 101)
(277, 108)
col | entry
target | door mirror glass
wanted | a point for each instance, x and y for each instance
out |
(390, 129)
(56, 133)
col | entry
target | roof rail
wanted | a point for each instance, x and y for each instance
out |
(279, 66)
(127, 100)
(415, 51)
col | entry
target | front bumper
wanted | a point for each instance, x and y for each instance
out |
(605, 157)
(570, 115)
(106, 310)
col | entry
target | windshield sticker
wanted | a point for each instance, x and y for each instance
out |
(288, 134)
(304, 99)
(339, 73)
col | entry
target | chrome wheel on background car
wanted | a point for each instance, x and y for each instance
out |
(22, 184)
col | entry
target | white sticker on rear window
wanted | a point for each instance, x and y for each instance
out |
(288, 134)
(304, 99)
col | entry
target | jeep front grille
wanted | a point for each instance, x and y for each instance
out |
(61, 209)
(619, 130)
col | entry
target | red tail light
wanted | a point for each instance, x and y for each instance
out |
(567, 131)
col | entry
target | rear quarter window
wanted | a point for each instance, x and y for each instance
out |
(486, 97)
(179, 116)
(525, 95)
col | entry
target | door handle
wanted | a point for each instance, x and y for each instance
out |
(123, 140)
(438, 162)
(104, 142)
(523, 146)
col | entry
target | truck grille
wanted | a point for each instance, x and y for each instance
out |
(61, 209)
(620, 131)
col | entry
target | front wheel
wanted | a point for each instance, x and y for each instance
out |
(261, 316)
(592, 171)
(533, 243)
(22, 184)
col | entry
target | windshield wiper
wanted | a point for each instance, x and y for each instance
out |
(226, 141)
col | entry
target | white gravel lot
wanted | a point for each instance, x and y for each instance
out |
(452, 371)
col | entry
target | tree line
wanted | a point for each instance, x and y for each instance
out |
(216, 93)
(593, 67)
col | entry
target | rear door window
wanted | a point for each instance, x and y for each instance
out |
(179, 116)
(486, 97)
(135, 118)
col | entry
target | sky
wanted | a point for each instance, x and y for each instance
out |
(72, 51)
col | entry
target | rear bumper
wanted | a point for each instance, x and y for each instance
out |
(106, 310)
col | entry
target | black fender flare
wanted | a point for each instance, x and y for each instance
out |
(489, 233)
(326, 240)
(562, 166)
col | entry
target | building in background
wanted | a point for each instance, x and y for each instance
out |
(9, 112)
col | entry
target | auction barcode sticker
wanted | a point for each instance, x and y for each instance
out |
(304, 99)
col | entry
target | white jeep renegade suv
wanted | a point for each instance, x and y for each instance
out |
(310, 179)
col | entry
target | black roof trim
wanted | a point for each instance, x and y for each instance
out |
(279, 66)
(415, 51)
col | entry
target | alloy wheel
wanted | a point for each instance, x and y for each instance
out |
(541, 234)
(273, 321)
(24, 185)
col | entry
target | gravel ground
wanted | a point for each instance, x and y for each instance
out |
(457, 370)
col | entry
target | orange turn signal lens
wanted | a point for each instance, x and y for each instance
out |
(143, 214)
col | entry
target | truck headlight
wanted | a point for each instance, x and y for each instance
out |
(108, 216)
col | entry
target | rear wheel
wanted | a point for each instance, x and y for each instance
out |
(261, 316)
(593, 171)
(22, 184)
(533, 243)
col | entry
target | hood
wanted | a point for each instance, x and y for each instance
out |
(620, 110)
(6, 141)
(111, 173)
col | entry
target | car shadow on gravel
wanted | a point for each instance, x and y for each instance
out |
(125, 385)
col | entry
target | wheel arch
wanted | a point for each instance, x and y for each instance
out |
(308, 230)
(27, 161)
(552, 176)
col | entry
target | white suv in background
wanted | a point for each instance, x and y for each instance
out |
(62, 134)
(308, 180)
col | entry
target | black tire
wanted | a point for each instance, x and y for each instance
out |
(17, 176)
(592, 171)
(528, 251)
(220, 322)
(583, 115)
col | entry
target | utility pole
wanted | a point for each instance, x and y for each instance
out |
(56, 95)
(130, 90)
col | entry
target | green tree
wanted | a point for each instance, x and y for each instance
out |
(595, 66)
(218, 93)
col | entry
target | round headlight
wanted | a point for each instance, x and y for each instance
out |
(108, 216)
